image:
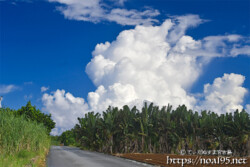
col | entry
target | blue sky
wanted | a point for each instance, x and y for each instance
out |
(42, 46)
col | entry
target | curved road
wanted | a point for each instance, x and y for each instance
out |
(62, 156)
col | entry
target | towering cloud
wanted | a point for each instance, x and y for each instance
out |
(158, 64)
(154, 63)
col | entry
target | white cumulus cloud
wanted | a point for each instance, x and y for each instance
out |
(157, 64)
(115, 95)
(99, 10)
(225, 94)
(64, 108)
(154, 63)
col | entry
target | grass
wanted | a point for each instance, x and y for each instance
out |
(22, 142)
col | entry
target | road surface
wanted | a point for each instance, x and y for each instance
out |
(62, 156)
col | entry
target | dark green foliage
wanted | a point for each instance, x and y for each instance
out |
(68, 138)
(162, 130)
(55, 140)
(31, 113)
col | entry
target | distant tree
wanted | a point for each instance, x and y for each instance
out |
(68, 138)
(31, 113)
(161, 130)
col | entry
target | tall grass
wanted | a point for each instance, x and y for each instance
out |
(18, 135)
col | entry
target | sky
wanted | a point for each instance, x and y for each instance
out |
(69, 57)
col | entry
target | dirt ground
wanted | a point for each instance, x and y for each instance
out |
(171, 160)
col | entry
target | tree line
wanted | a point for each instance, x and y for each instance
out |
(31, 113)
(160, 130)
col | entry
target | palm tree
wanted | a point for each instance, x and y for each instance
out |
(109, 119)
(162, 130)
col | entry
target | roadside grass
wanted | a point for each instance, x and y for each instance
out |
(23, 158)
(22, 143)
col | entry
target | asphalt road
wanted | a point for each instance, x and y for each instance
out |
(62, 156)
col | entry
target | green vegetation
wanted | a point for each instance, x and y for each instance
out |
(23, 140)
(160, 130)
(31, 113)
(55, 141)
(68, 138)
